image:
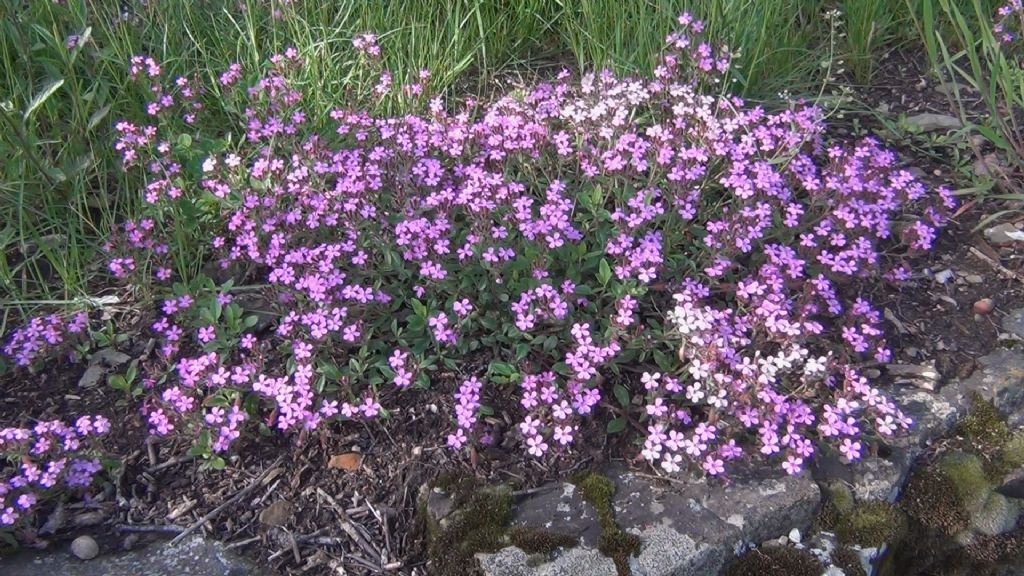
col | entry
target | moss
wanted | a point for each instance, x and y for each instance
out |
(841, 497)
(985, 432)
(838, 502)
(775, 561)
(613, 542)
(848, 561)
(534, 541)
(967, 474)
(871, 524)
(1012, 452)
(983, 424)
(478, 525)
(931, 499)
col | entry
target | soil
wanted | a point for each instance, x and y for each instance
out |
(365, 520)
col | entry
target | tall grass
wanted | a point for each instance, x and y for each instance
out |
(963, 48)
(778, 43)
(61, 187)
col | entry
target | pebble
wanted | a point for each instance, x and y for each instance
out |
(974, 279)
(85, 547)
(794, 535)
(984, 306)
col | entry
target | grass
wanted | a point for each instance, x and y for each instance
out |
(61, 187)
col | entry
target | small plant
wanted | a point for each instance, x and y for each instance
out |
(43, 463)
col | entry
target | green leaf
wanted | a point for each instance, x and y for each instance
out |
(502, 369)
(97, 117)
(522, 351)
(615, 426)
(604, 272)
(662, 360)
(622, 395)
(217, 463)
(118, 382)
(41, 98)
(185, 141)
(419, 308)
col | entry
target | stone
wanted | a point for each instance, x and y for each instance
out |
(558, 508)
(931, 122)
(439, 503)
(195, 556)
(834, 571)
(91, 377)
(974, 279)
(85, 547)
(512, 561)
(999, 379)
(1005, 233)
(794, 535)
(877, 478)
(667, 552)
(1013, 323)
(984, 306)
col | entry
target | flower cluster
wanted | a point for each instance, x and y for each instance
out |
(545, 229)
(42, 335)
(50, 456)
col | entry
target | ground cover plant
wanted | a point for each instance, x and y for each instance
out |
(649, 251)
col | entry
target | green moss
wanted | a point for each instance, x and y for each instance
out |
(838, 500)
(478, 525)
(841, 497)
(848, 561)
(534, 541)
(931, 499)
(1012, 453)
(613, 542)
(983, 425)
(871, 524)
(775, 561)
(967, 474)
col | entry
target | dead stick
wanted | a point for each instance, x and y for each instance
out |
(1006, 272)
(171, 528)
(213, 513)
(347, 525)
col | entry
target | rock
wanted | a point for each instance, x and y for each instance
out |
(277, 514)
(984, 306)
(943, 276)
(439, 503)
(85, 547)
(834, 571)
(195, 556)
(1000, 380)
(974, 279)
(930, 122)
(91, 376)
(110, 358)
(558, 508)
(794, 535)
(878, 479)
(512, 561)
(1014, 323)
(667, 552)
(1005, 233)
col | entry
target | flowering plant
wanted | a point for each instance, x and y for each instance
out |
(46, 460)
(547, 231)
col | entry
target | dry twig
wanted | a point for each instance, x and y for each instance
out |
(213, 513)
